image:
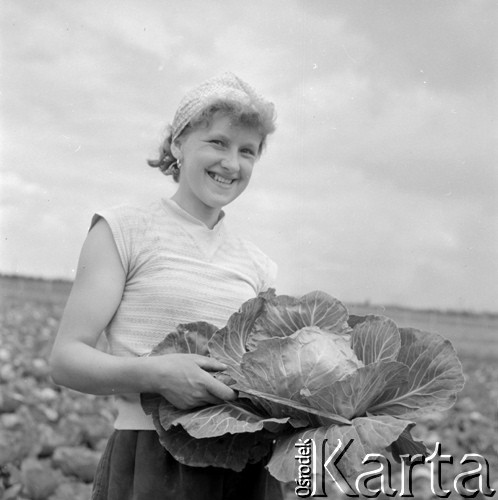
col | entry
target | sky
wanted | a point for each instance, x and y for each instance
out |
(380, 184)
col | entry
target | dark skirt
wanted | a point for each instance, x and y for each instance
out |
(135, 466)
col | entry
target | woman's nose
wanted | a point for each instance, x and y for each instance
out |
(231, 161)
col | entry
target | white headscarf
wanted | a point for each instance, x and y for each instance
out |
(226, 87)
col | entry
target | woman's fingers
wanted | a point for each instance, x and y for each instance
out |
(208, 364)
(219, 390)
(215, 387)
(186, 380)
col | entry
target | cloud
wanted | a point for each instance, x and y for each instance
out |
(450, 45)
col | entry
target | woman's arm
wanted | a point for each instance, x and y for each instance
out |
(76, 363)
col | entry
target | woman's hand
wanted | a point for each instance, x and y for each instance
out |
(184, 380)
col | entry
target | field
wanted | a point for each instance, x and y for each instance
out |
(51, 438)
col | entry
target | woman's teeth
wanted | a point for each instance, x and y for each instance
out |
(219, 179)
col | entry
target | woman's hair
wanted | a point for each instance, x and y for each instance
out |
(166, 161)
(227, 95)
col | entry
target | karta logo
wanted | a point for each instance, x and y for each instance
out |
(315, 465)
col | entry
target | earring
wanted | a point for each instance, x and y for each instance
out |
(173, 168)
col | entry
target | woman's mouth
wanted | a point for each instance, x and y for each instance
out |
(220, 179)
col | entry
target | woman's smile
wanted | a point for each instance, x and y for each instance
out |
(219, 179)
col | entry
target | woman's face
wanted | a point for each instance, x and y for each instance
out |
(217, 162)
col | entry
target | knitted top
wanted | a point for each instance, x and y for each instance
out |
(177, 271)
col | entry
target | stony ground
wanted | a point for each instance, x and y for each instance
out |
(51, 438)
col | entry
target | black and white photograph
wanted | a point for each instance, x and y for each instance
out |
(249, 250)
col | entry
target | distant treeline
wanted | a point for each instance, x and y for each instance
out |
(369, 308)
(29, 286)
(34, 279)
(63, 286)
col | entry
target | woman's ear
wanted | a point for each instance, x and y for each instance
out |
(176, 150)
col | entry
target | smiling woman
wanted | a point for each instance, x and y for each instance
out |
(219, 131)
(145, 270)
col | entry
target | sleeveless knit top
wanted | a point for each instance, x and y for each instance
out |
(177, 271)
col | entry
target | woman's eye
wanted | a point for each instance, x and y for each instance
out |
(248, 152)
(217, 142)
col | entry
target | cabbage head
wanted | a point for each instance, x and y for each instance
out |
(304, 368)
